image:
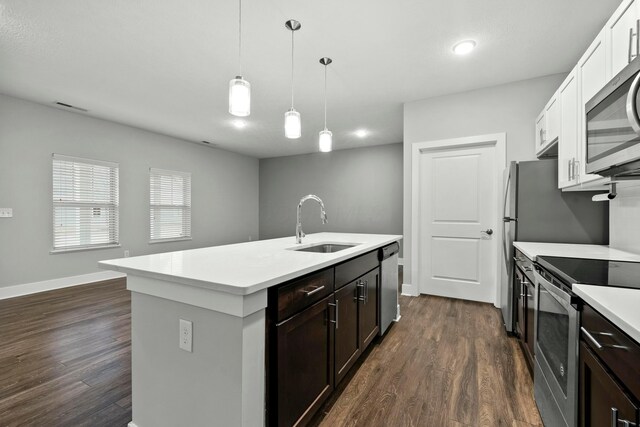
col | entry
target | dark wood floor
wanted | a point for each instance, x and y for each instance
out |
(65, 357)
(446, 363)
(65, 360)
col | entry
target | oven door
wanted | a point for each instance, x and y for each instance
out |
(613, 124)
(556, 355)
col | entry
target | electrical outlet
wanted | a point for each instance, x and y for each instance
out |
(6, 212)
(186, 335)
(126, 253)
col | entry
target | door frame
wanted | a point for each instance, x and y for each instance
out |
(497, 140)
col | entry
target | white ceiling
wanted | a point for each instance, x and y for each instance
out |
(165, 65)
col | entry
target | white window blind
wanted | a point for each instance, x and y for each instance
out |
(170, 210)
(85, 203)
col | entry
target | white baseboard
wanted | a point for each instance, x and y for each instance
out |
(409, 290)
(400, 261)
(63, 282)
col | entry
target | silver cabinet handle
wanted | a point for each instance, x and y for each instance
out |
(315, 290)
(615, 422)
(366, 291)
(525, 295)
(488, 231)
(637, 37)
(360, 295)
(591, 338)
(595, 342)
(569, 170)
(630, 44)
(337, 307)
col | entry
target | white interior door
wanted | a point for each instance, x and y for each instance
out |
(458, 222)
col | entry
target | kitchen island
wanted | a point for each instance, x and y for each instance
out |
(222, 291)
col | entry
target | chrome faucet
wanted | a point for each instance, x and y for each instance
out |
(323, 215)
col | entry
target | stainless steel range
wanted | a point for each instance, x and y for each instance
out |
(556, 350)
(558, 328)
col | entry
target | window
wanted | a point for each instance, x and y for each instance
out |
(170, 210)
(85, 203)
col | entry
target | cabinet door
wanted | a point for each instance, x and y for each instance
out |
(552, 120)
(304, 363)
(568, 141)
(622, 35)
(601, 398)
(531, 311)
(347, 348)
(369, 319)
(592, 76)
(540, 123)
(521, 317)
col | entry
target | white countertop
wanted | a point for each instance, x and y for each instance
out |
(245, 268)
(619, 305)
(533, 249)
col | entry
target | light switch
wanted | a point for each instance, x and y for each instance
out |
(6, 212)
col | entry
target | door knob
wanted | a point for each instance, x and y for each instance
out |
(488, 231)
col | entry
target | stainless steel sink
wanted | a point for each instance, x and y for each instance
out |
(325, 248)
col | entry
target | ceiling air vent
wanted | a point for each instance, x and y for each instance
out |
(73, 107)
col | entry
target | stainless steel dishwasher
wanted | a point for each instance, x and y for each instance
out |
(389, 308)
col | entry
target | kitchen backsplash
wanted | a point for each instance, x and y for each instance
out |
(624, 217)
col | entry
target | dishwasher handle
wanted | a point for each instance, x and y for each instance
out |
(388, 251)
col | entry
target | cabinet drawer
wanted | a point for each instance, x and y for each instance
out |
(352, 269)
(301, 293)
(525, 264)
(619, 352)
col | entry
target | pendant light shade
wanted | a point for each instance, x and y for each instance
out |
(325, 141)
(325, 137)
(239, 97)
(292, 120)
(292, 124)
(239, 88)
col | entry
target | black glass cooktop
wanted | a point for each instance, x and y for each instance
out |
(593, 271)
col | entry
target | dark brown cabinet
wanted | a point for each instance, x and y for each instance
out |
(304, 360)
(602, 400)
(609, 373)
(347, 336)
(317, 328)
(369, 320)
(525, 313)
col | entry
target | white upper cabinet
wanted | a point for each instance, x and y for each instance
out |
(621, 34)
(552, 119)
(568, 142)
(592, 76)
(548, 127)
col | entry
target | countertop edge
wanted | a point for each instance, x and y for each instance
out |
(253, 288)
(583, 292)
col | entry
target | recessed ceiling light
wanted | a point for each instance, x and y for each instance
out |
(361, 133)
(464, 47)
(240, 124)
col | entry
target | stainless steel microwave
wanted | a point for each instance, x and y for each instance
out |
(613, 125)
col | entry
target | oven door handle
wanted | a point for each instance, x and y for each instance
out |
(558, 294)
(632, 110)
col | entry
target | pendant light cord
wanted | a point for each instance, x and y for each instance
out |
(240, 35)
(292, 69)
(325, 97)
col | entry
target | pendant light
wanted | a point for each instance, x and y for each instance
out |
(325, 138)
(292, 122)
(239, 89)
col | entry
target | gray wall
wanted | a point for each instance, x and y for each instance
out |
(361, 189)
(510, 108)
(224, 188)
